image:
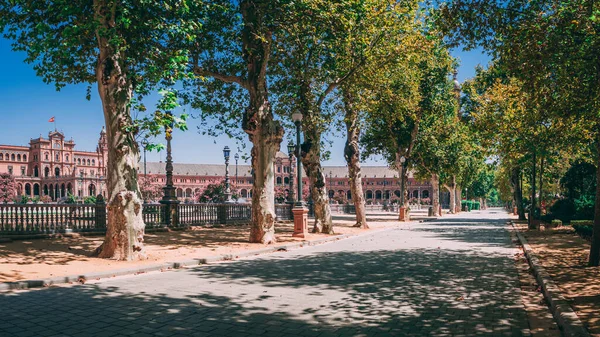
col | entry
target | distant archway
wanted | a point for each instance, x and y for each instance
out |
(244, 193)
(425, 194)
(349, 195)
(378, 195)
(27, 189)
(369, 194)
(36, 190)
(415, 194)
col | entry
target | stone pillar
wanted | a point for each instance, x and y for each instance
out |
(403, 214)
(300, 221)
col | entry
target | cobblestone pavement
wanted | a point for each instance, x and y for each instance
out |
(453, 277)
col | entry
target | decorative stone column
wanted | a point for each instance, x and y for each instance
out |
(300, 221)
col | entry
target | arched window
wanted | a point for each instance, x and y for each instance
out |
(331, 193)
(12, 157)
(78, 161)
(425, 194)
(369, 194)
(1, 156)
(244, 193)
(46, 156)
(57, 172)
(278, 180)
(93, 162)
(349, 195)
(28, 189)
(24, 157)
(92, 190)
(57, 157)
(397, 193)
(415, 194)
(36, 171)
(188, 192)
(179, 193)
(46, 172)
(67, 158)
(378, 195)
(18, 157)
(286, 180)
(36, 189)
(88, 162)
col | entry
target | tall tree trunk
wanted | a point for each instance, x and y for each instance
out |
(125, 226)
(435, 198)
(263, 131)
(515, 180)
(595, 248)
(352, 156)
(311, 159)
(532, 217)
(541, 184)
(451, 189)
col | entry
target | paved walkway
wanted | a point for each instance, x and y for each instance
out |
(454, 277)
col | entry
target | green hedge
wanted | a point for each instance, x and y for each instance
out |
(473, 205)
(583, 227)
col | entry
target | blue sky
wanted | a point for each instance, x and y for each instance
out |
(28, 103)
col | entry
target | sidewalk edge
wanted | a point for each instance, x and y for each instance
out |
(564, 315)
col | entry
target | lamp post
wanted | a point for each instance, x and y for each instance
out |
(169, 198)
(226, 153)
(300, 212)
(81, 184)
(236, 157)
(330, 177)
(291, 149)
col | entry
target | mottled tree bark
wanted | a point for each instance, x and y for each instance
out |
(517, 192)
(532, 217)
(352, 156)
(311, 159)
(451, 188)
(263, 131)
(125, 225)
(595, 248)
(435, 198)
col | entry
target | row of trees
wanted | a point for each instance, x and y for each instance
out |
(375, 70)
(537, 104)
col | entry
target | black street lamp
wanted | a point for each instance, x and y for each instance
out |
(226, 153)
(291, 149)
(333, 194)
(297, 119)
(236, 157)
(169, 198)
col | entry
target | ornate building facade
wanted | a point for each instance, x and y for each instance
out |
(53, 167)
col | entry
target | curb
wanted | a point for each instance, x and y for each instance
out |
(31, 284)
(564, 315)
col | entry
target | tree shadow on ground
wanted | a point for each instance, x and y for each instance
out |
(355, 291)
(394, 293)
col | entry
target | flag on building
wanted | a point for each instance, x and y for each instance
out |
(51, 120)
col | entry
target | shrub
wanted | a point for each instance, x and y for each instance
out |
(583, 227)
(584, 207)
(563, 209)
(472, 205)
(556, 223)
(89, 200)
(45, 199)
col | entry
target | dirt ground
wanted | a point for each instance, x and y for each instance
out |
(564, 255)
(67, 256)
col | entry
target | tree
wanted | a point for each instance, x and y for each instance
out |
(150, 192)
(8, 187)
(552, 48)
(331, 42)
(123, 47)
(233, 57)
(215, 193)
